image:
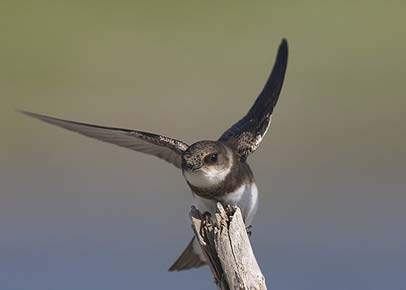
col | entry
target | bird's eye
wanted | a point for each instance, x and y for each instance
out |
(211, 158)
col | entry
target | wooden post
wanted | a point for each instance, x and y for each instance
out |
(224, 240)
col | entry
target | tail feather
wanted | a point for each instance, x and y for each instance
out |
(188, 259)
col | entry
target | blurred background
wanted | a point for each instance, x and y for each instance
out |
(76, 213)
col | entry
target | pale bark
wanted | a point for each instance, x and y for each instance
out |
(224, 240)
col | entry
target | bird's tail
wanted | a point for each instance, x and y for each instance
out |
(191, 257)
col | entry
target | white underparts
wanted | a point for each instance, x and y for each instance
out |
(245, 197)
(207, 177)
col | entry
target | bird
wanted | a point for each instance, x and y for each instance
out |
(215, 170)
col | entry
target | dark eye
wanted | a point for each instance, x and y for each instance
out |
(211, 158)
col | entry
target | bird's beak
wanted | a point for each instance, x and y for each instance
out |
(192, 167)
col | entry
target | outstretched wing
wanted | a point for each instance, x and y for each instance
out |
(246, 134)
(163, 147)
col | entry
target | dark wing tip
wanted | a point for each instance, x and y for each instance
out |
(31, 114)
(27, 113)
(35, 115)
(282, 57)
(283, 51)
(284, 44)
(274, 84)
(49, 119)
(247, 133)
(269, 95)
(24, 112)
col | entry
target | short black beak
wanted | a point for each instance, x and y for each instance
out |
(192, 167)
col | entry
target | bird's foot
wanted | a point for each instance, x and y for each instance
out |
(249, 230)
(206, 218)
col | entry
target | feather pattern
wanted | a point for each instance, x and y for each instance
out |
(162, 147)
(247, 134)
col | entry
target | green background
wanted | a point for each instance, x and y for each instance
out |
(79, 214)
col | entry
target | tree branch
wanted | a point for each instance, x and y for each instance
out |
(224, 240)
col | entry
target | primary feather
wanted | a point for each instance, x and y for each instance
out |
(163, 147)
(247, 134)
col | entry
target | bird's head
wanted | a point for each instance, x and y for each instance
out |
(206, 163)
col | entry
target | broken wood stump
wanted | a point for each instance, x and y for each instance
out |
(224, 241)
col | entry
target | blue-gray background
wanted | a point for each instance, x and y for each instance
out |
(79, 214)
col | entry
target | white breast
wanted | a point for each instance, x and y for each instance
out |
(206, 177)
(245, 197)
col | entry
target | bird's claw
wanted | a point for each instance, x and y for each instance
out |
(249, 230)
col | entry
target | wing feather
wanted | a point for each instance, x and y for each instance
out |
(163, 147)
(247, 134)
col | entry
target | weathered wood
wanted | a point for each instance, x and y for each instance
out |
(224, 240)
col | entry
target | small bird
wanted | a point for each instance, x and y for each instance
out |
(216, 171)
